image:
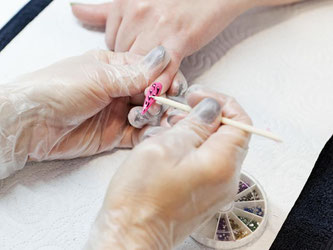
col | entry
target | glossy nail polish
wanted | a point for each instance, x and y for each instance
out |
(154, 90)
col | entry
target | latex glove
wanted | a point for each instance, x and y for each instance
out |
(182, 27)
(74, 108)
(174, 181)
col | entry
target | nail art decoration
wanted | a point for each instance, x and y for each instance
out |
(154, 90)
(239, 223)
(252, 196)
(255, 210)
(242, 186)
(253, 225)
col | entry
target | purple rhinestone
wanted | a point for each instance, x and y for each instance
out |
(223, 236)
(222, 225)
(242, 186)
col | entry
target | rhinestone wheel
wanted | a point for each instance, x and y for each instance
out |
(238, 223)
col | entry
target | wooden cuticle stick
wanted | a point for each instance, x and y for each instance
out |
(224, 120)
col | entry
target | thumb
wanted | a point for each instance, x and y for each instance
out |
(91, 14)
(189, 133)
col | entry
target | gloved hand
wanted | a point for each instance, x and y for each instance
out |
(172, 182)
(76, 107)
(182, 27)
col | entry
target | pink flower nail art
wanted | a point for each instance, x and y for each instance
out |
(154, 90)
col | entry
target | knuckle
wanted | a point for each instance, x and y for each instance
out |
(176, 55)
(150, 148)
(141, 8)
(221, 172)
(162, 20)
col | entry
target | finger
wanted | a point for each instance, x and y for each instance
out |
(229, 144)
(165, 79)
(91, 14)
(168, 74)
(156, 109)
(191, 132)
(112, 26)
(120, 58)
(138, 120)
(175, 116)
(126, 36)
(130, 80)
(124, 39)
(178, 86)
(134, 136)
(231, 108)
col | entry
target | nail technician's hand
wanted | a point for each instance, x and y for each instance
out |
(181, 26)
(76, 107)
(172, 182)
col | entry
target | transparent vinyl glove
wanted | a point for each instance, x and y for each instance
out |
(76, 107)
(174, 181)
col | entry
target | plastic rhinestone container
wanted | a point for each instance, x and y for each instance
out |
(238, 223)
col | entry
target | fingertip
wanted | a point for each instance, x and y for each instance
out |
(178, 86)
(207, 111)
(155, 62)
(91, 14)
(137, 119)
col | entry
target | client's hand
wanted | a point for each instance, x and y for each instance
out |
(182, 27)
(174, 181)
(76, 107)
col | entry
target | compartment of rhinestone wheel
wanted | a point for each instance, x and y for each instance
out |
(242, 223)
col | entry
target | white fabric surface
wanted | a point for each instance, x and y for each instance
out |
(276, 62)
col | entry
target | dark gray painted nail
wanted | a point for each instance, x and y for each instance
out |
(169, 119)
(207, 110)
(140, 120)
(155, 57)
(182, 88)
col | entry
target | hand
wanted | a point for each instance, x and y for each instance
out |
(76, 107)
(181, 26)
(172, 182)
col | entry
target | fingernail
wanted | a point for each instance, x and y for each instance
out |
(169, 119)
(154, 90)
(179, 85)
(74, 3)
(182, 88)
(182, 84)
(155, 57)
(140, 120)
(207, 110)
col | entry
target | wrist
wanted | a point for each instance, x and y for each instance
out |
(14, 132)
(129, 225)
